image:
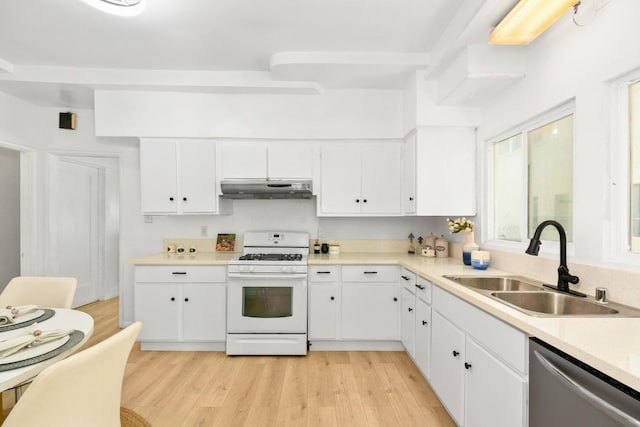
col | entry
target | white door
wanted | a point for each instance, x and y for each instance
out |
(382, 179)
(78, 228)
(407, 321)
(370, 312)
(197, 176)
(447, 365)
(340, 179)
(495, 394)
(158, 176)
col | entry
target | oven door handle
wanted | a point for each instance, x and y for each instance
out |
(597, 401)
(258, 276)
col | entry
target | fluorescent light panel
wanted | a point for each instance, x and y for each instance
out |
(528, 19)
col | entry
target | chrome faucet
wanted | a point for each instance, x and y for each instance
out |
(564, 277)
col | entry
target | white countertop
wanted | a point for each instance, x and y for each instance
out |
(609, 344)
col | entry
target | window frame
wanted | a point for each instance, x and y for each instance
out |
(619, 250)
(548, 247)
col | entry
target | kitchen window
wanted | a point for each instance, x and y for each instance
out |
(634, 167)
(625, 181)
(531, 178)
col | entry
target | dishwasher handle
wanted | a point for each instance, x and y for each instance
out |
(586, 394)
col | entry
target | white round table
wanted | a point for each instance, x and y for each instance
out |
(63, 319)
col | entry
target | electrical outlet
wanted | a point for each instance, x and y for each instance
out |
(204, 230)
(148, 219)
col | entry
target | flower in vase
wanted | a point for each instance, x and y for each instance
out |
(459, 224)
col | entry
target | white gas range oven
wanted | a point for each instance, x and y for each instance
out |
(267, 295)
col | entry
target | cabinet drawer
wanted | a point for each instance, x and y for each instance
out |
(408, 280)
(181, 274)
(424, 294)
(370, 273)
(505, 341)
(323, 273)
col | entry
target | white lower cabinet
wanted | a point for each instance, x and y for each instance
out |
(324, 301)
(495, 395)
(180, 307)
(478, 365)
(447, 366)
(422, 354)
(408, 321)
(415, 319)
(370, 312)
(354, 307)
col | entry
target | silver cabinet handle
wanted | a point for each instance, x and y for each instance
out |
(586, 394)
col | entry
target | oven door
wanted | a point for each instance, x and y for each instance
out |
(267, 304)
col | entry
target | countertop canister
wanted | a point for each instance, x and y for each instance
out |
(442, 247)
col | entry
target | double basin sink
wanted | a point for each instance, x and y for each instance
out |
(529, 297)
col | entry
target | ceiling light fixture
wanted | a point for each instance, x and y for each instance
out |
(118, 7)
(528, 19)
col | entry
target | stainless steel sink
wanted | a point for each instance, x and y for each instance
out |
(529, 297)
(553, 303)
(496, 283)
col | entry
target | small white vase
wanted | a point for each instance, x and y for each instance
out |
(468, 246)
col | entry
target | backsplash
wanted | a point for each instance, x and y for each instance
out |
(200, 245)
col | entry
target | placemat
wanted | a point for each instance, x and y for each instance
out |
(47, 314)
(74, 338)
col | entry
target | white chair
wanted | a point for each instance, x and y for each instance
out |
(82, 390)
(54, 292)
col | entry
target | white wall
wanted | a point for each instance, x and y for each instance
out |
(332, 114)
(570, 62)
(9, 215)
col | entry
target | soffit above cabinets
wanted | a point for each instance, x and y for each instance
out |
(279, 47)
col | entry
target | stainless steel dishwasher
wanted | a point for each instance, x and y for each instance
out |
(565, 392)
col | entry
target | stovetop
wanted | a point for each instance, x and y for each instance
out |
(270, 257)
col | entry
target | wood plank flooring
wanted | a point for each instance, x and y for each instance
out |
(322, 389)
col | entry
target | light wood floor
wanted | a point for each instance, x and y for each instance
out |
(321, 389)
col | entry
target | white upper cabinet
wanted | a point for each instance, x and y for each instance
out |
(445, 171)
(409, 175)
(361, 179)
(178, 176)
(243, 160)
(260, 160)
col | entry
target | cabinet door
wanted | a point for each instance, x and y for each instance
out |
(340, 179)
(370, 312)
(447, 186)
(423, 337)
(407, 321)
(243, 160)
(447, 365)
(495, 395)
(323, 311)
(157, 306)
(409, 175)
(382, 179)
(197, 176)
(158, 176)
(203, 312)
(289, 160)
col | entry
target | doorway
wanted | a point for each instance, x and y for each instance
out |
(84, 224)
(9, 215)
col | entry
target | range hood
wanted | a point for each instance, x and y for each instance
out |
(266, 189)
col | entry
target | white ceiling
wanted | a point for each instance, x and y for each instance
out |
(55, 52)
